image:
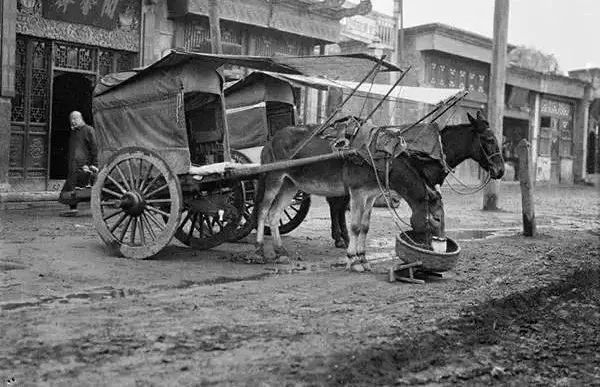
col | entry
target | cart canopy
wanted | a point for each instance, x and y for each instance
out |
(145, 108)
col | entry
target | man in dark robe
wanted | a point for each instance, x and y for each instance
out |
(83, 161)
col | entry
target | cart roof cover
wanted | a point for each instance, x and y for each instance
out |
(144, 108)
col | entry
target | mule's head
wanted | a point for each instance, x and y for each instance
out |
(485, 148)
(427, 218)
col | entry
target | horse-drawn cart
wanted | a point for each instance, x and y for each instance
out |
(165, 153)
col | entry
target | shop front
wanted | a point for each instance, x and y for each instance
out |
(555, 149)
(61, 49)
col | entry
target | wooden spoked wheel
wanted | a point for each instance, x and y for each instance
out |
(294, 214)
(136, 203)
(211, 217)
(246, 224)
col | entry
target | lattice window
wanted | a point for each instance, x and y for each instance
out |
(39, 82)
(18, 102)
(231, 39)
(105, 62)
(125, 61)
(197, 35)
(74, 57)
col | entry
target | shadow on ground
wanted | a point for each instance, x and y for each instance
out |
(546, 335)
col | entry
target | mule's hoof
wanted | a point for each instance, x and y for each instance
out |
(341, 244)
(342, 262)
(283, 259)
(367, 266)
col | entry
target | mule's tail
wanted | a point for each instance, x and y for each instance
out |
(266, 156)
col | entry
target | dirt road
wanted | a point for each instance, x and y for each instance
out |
(515, 310)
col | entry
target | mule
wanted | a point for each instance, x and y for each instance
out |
(340, 177)
(474, 140)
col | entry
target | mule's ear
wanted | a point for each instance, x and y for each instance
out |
(470, 117)
(479, 115)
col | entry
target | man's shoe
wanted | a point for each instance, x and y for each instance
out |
(69, 213)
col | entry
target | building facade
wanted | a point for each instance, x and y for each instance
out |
(550, 110)
(54, 51)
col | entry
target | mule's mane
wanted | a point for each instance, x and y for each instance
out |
(457, 126)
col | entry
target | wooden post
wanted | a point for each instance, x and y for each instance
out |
(496, 90)
(526, 181)
(320, 93)
(215, 27)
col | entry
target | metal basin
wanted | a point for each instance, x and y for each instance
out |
(432, 260)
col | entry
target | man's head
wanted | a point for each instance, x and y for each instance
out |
(76, 119)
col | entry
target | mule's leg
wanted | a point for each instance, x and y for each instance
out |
(342, 218)
(357, 203)
(282, 200)
(270, 186)
(361, 245)
(337, 209)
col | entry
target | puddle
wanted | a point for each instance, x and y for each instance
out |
(6, 266)
(470, 235)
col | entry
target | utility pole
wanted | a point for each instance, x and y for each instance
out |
(496, 91)
(215, 27)
(397, 54)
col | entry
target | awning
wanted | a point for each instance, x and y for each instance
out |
(302, 65)
(427, 95)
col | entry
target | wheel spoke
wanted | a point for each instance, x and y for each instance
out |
(192, 225)
(142, 236)
(145, 179)
(146, 188)
(112, 215)
(155, 221)
(156, 210)
(288, 215)
(112, 203)
(149, 227)
(124, 230)
(123, 177)
(119, 221)
(159, 201)
(132, 181)
(113, 193)
(293, 207)
(119, 186)
(156, 190)
(209, 226)
(133, 230)
(188, 215)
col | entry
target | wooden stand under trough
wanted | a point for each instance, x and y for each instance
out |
(406, 272)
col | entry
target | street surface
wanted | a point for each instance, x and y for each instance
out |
(515, 310)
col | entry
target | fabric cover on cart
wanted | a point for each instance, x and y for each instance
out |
(147, 111)
(247, 114)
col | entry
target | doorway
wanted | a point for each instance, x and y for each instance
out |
(70, 92)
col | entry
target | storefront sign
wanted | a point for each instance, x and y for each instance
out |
(556, 108)
(100, 13)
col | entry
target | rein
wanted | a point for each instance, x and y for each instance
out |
(397, 219)
(483, 184)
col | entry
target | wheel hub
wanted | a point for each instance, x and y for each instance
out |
(133, 203)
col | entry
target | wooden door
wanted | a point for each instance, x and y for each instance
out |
(29, 116)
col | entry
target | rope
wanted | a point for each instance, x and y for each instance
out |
(472, 191)
(397, 219)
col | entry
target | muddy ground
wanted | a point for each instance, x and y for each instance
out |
(514, 311)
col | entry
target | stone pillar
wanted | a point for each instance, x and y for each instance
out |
(580, 136)
(8, 17)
